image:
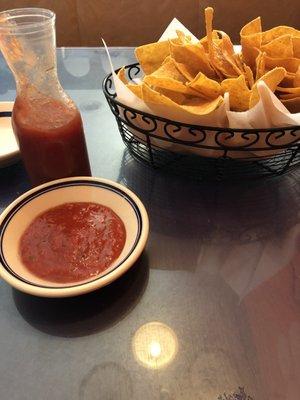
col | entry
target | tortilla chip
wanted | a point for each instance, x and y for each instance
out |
(239, 93)
(152, 96)
(251, 40)
(249, 75)
(136, 89)
(167, 76)
(290, 64)
(252, 27)
(296, 82)
(209, 15)
(194, 58)
(238, 57)
(151, 56)
(169, 70)
(231, 61)
(281, 47)
(278, 31)
(260, 64)
(220, 53)
(288, 80)
(169, 83)
(271, 79)
(246, 70)
(204, 41)
(213, 58)
(226, 46)
(177, 97)
(230, 67)
(288, 96)
(184, 69)
(296, 46)
(293, 105)
(186, 76)
(225, 43)
(195, 106)
(199, 106)
(291, 90)
(208, 88)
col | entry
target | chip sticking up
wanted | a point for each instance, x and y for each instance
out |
(251, 40)
(220, 51)
(271, 79)
(239, 93)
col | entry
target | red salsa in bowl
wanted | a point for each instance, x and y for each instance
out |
(72, 242)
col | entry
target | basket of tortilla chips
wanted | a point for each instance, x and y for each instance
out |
(187, 99)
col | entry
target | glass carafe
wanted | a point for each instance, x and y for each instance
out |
(46, 122)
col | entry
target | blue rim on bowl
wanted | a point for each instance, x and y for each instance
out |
(17, 216)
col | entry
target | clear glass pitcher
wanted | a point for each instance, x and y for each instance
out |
(45, 120)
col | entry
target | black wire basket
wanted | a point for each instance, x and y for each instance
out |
(204, 152)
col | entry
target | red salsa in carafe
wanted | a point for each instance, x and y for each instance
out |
(51, 138)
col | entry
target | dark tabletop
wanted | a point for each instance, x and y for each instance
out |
(212, 307)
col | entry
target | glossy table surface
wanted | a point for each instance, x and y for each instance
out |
(213, 304)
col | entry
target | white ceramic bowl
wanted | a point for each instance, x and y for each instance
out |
(9, 149)
(20, 213)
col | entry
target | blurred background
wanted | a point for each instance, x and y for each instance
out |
(133, 22)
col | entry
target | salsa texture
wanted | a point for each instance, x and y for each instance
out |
(72, 242)
(49, 130)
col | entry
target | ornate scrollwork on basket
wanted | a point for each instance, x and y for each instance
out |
(108, 87)
(133, 71)
(231, 139)
(129, 116)
(136, 120)
(282, 137)
(251, 138)
(179, 134)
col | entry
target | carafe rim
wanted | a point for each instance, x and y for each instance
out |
(13, 22)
